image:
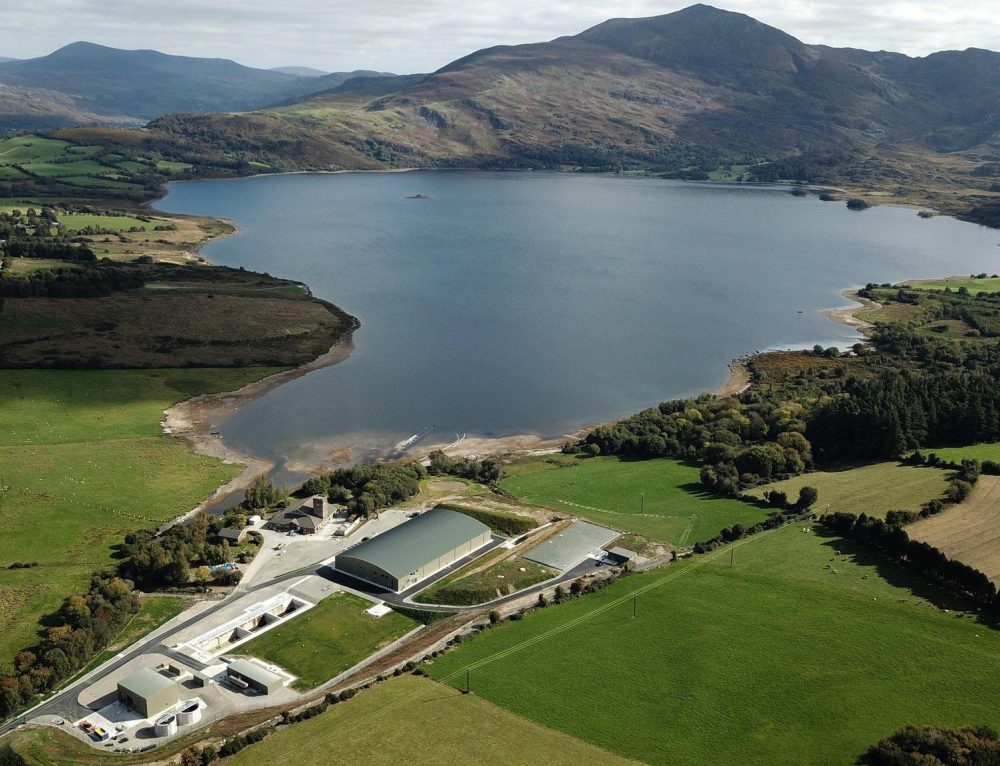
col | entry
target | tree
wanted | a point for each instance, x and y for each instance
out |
(203, 574)
(807, 498)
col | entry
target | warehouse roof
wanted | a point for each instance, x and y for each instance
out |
(145, 682)
(252, 670)
(406, 548)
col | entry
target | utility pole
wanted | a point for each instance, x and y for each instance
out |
(467, 688)
(633, 606)
(732, 556)
(642, 503)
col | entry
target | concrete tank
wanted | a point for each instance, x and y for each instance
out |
(190, 713)
(166, 726)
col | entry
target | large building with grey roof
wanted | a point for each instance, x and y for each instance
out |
(415, 550)
(148, 692)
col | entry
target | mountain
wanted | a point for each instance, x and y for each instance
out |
(684, 94)
(299, 71)
(5, 58)
(144, 84)
(39, 109)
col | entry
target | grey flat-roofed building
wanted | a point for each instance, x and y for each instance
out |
(255, 676)
(148, 692)
(405, 555)
(621, 555)
(571, 546)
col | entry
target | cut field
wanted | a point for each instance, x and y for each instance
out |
(872, 489)
(970, 531)
(804, 650)
(662, 499)
(330, 638)
(82, 460)
(77, 221)
(421, 722)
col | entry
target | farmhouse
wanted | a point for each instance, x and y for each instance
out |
(415, 550)
(148, 692)
(307, 517)
(247, 674)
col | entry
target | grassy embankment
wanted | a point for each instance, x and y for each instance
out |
(496, 575)
(330, 638)
(785, 657)
(872, 489)
(661, 499)
(82, 460)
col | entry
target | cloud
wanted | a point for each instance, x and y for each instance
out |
(403, 36)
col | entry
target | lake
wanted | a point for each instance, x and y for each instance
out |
(510, 303)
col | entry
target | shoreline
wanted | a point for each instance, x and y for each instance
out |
(194, 420)
(845, 315)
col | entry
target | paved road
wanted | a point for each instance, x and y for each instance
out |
(64, 703)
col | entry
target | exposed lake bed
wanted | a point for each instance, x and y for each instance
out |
(522, 307)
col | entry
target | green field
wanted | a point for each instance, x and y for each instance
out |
(990, 451)
(804, 651)
(415, 720)
(330, 638)
(77, 221)
(82, 460)
(873, 489)
(661, 499)
(973, 285)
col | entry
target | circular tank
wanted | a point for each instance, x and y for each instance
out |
(166, 726)
(190, 713)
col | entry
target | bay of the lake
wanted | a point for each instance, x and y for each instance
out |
(509, 303)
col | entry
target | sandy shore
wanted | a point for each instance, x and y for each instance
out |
(846, 315)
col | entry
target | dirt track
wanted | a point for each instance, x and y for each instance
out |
(969, 532)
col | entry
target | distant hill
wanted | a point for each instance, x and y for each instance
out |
(685, 94)
(5, 58)
(299, 71)
(108, 83)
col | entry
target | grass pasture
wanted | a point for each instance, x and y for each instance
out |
(328, 639)
(789, 656)
(987, 451)
(661, 499)
(82, 461)
(872, 489)
(77, 221)
(425, 724)
(972, 284)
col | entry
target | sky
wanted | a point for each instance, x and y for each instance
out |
(406, 36)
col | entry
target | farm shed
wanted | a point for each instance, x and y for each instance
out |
(415, 550)
(148, 692)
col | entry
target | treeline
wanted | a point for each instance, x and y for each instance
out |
(366, 489)
(487, 471)
(937, 746)
(901, 410)
(889, 538)
(94, 281)
(739, 441)
(54, 249)
(84, 625)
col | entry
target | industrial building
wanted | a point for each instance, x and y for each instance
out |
(148, 692)
(415, 550)
(245, 674)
